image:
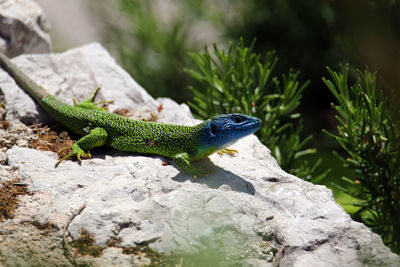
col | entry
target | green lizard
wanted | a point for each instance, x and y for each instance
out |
(97, 127)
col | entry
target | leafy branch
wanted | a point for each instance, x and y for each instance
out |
(240, 80)
(368, 130)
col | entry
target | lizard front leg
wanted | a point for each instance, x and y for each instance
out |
(81, 149)
(90, 104)
(182, 160)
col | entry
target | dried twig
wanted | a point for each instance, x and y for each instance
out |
(66, 247)
(281, 251)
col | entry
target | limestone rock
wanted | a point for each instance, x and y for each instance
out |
(247, 212)
(23, 28)
(75, 73)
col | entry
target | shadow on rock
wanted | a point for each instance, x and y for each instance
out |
(218, 178)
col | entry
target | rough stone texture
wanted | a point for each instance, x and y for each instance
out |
(75, 73)
(29, 244)
(23, 28)
(247, 212)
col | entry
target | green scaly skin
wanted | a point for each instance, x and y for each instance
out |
(98, 128)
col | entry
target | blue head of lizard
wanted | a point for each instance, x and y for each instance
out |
(224, 130)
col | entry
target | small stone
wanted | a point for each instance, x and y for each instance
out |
(22, 143)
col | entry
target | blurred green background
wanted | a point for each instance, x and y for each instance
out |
(151, 40)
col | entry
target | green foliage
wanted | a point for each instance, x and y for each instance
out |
(239, 80)
(369, 132)
(152, 38)
(154, 53)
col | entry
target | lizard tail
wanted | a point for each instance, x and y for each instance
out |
(29, 86)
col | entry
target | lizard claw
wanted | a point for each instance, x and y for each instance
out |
(76, 151)
(105, 103)
(231, 152)
(201, 173)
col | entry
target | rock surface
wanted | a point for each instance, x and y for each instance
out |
(23, 28)
(75, 73)
(248, 212)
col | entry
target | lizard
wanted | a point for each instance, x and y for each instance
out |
(97, 127)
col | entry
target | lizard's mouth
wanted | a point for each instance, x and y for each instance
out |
(250, 125)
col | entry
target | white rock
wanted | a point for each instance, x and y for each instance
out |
(23, 28)
(75, 73)
(244, 211)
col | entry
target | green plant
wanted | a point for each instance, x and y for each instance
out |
(151, 51)
(239, 80)
(152, 38)
(369, 132)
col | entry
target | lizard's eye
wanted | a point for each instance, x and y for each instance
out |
(213, 129)
(237, 119)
